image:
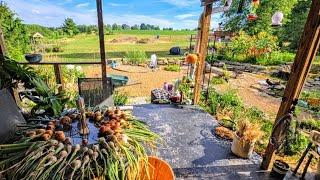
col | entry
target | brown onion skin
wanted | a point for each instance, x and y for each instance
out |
(60, 136)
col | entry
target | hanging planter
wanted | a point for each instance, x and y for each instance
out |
(255, 3)
(252, 17)
(277, 19)
(191, 58)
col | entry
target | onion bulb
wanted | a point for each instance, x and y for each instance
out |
(65, 120)
(31, 133)
(40, 131)
(45, 136)
(60, 136)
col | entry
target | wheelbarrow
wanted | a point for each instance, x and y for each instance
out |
(118, 80)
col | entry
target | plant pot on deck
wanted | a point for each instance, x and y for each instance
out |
(279, 169)
(241, 148)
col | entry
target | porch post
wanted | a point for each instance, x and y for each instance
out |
(202, 48)
(101, 40)
(306, 53)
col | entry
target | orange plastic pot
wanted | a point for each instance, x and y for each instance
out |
(158, 170)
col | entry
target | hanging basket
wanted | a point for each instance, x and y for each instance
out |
(191, 58)
(256, 3)
(277, 19)
(252, 17)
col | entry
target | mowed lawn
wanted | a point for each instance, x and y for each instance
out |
(85, 47)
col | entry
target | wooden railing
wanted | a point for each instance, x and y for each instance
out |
(57, 68)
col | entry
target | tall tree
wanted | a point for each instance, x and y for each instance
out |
(135, 27)
(70, 27)
(15, 33)
(293, 30)
(235, 22)
(115, 26)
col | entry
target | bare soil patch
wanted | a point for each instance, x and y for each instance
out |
(143, 82)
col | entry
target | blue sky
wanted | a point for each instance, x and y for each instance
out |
(165, 13)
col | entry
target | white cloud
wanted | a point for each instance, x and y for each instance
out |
(55, 13)
(35, 11)
(117, 4)
(82, 5)
(181, 3)
(184, 16)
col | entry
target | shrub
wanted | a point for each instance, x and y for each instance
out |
(174, 68)
(275, 58)
(295, 141)
(217, 80)
(246, 48)
(120, 99)
(228, 100)
(136, 57)
(309, 124)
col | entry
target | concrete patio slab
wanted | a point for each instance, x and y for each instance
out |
(191, 148)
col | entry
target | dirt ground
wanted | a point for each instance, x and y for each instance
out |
(251, 96)
(141, 80)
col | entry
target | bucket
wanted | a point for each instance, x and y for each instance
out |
(279, 169)
(241, 149)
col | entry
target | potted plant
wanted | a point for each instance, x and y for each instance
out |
(244, 138)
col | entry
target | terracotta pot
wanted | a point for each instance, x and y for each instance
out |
(240, 148)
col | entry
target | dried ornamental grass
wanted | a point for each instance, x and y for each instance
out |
(248, 132)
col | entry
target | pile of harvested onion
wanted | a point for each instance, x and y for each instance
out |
(49, 154)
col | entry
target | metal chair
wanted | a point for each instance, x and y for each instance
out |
(96, 92)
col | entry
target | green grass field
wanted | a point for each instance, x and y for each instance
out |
(85, 47)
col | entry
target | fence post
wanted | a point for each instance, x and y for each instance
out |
(58, 75)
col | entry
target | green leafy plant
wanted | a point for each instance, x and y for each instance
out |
(174, 68)
(120, 99)
(12, 73)
(217, 80)
(295, 141)
(136, 57)
(49, 101)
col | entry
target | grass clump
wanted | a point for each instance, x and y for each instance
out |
(217, 80)
(173, 68)
(136, 57)
(120, 99)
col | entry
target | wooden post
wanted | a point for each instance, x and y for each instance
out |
(2, 46)
(308, 48)
(202, 48)
(58, 75)
(101, 40)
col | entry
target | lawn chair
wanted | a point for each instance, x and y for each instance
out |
(10, 117)
(96, 92)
